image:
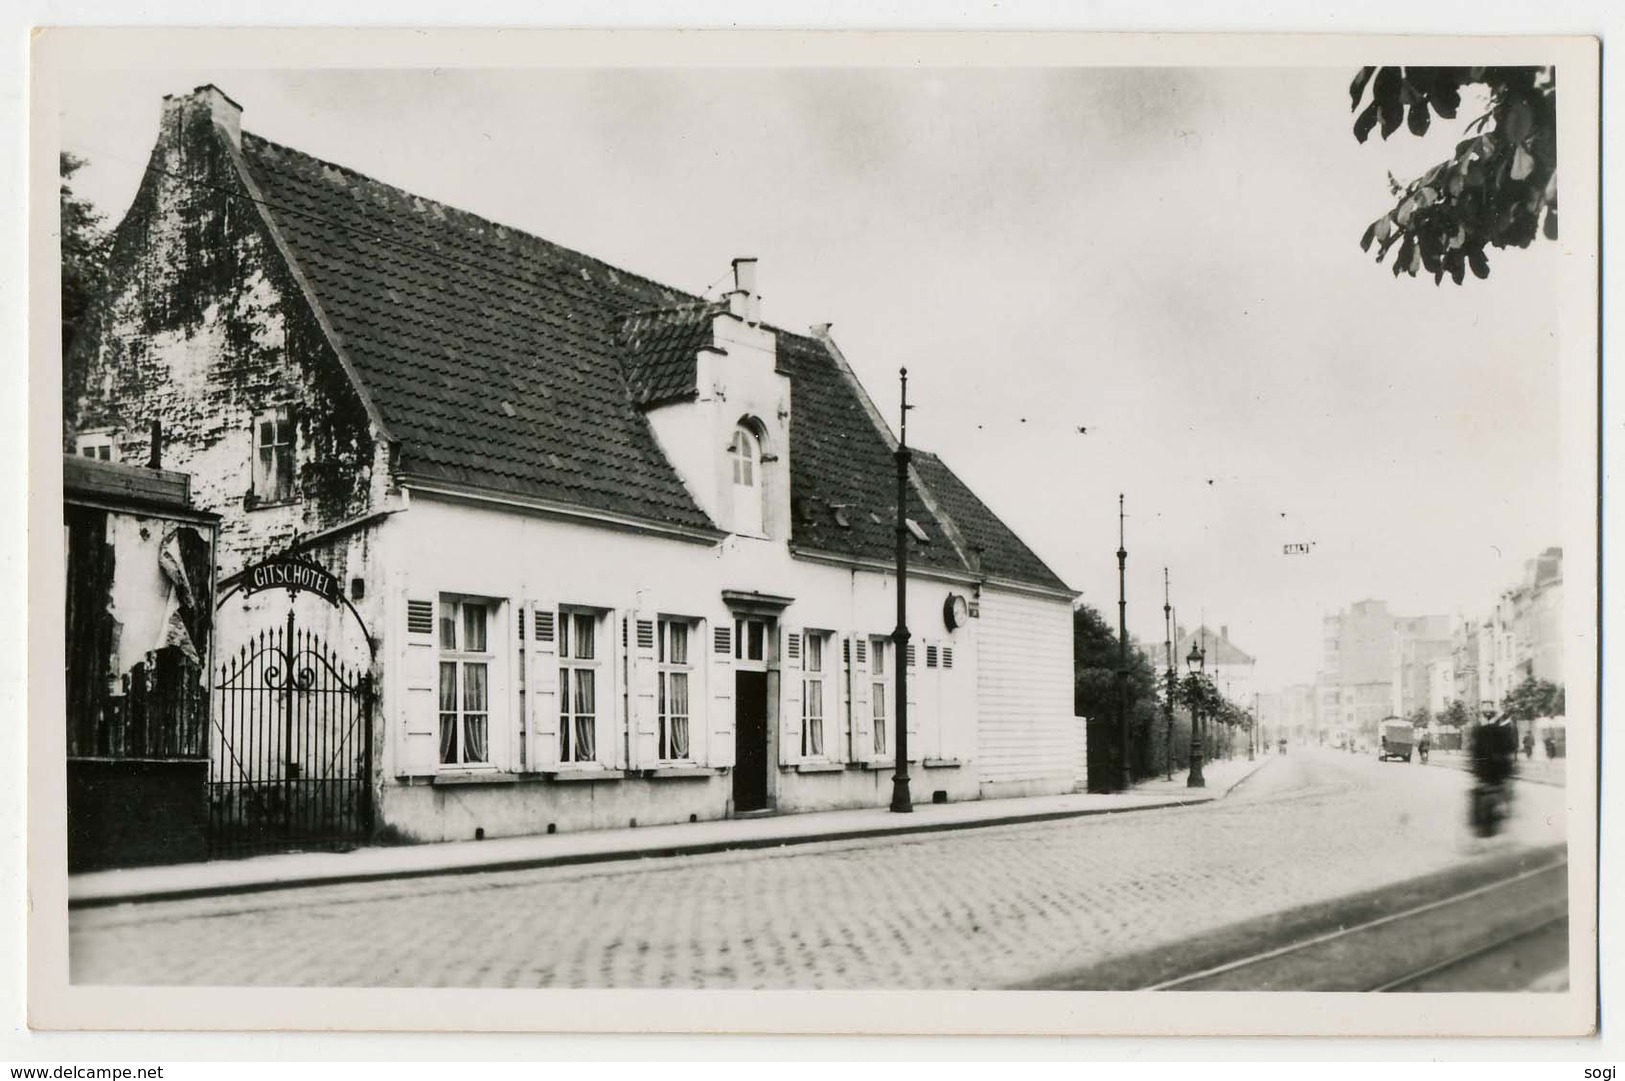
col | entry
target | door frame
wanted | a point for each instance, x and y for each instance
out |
(769, 793)
(770, 610)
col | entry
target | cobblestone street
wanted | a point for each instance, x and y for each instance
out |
(972, 909)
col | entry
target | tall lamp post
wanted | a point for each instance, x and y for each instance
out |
(1197, 664)
(901, 801)
(1125, 768)
(1168, 649)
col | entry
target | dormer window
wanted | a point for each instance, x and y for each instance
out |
(745, 457)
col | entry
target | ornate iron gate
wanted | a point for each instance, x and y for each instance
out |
(291, 755)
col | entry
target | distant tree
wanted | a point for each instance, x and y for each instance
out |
(1455, 714)
(1498, 189)
(84, 251)
(1419, 717)
(1534, 698)
(1094, 686)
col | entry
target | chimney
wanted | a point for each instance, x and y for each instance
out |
(743, 303)
(208, 99)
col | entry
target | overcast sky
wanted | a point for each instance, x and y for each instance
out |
(1167, 257)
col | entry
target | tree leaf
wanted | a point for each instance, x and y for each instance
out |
(1522, 164)
(1365, 122)
(1551, 223)
(1480, 265)
(1446, 99)
(1393, 114)
(1517, 121)
(1357, 87)
(1457, 272)
(1419, 118)
(1368, 236)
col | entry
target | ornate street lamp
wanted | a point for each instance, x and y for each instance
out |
(1168, 649)
(1125, 775)
(902, 801)
(1197, 664)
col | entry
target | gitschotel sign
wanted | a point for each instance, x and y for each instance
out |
(295, 576)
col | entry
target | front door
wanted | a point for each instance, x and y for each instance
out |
(750, 748)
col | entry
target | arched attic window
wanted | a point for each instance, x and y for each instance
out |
(749, 487)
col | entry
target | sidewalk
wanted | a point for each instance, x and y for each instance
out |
(1539, 769)
(295, 869)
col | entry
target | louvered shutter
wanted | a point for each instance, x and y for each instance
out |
(862, 716)
(420, 715)
(614, 706)
(790, 700)
(542, 686)
(719, 648)
(916, 678)
(645, 688)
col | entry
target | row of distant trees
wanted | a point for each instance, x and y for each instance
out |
(1153, 748)
(1528, 700)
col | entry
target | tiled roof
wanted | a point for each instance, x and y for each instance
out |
(1003, 555)
(659, 351)
(842, 474)
(490, 353)
(503, 361)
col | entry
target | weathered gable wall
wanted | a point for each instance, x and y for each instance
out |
(201, 326)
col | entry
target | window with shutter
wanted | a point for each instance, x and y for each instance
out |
(468, 660)
(673, 695)
(579, 691)
(879, 691)
(812, 694)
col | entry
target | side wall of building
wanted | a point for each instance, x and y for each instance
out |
(1027, 738)
(202, 329)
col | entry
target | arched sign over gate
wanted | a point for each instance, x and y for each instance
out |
(297, 576)
(290, 762)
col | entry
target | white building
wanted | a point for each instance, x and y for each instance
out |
(609, 553)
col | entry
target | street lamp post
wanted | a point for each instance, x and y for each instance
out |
(1197, 664)
(1125, 768)
(1168, 649)
(901, 801)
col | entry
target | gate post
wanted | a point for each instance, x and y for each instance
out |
(366, 755)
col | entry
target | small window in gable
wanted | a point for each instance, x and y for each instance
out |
(273, 455)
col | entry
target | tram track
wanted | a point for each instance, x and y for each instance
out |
(1482, 926)
(1467, 925)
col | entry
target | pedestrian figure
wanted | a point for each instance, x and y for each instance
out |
(1494, 757)
(1551, 746)
(1529, 744)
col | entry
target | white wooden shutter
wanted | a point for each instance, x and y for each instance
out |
(645, 685)
(790, 700)
(420, 717)
(916, 679)
(862, 715)
(719, 649)
(614, 701)
(542, 685)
